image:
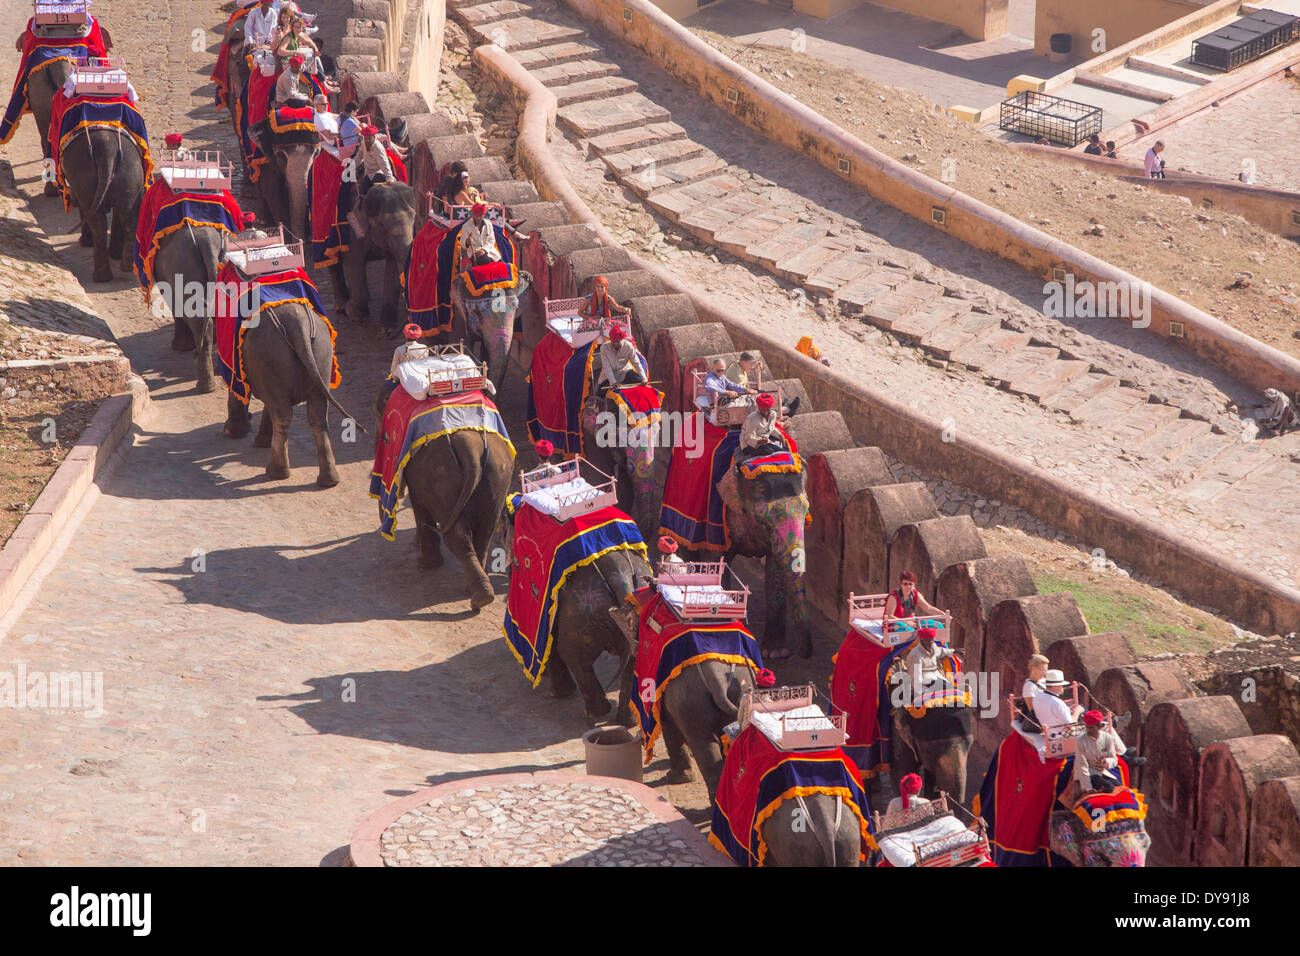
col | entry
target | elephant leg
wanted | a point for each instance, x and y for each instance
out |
(340, 280)
(561, 680)
(238, 418)
(476, 579)
(596, 704)
(355, 270)
(945, 763)
(87, 238)
(317, 413)
(679, 765)
(263, 437)
(278, 466)
(428, 540)
(182, 335)
(103, 271)
(117, 236)
(203, 358)
(626, 685)
(392, 297)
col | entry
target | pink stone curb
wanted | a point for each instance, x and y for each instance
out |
(364, 849)
(41, 526)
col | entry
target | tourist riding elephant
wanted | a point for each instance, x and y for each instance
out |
(105, 172)
(184, 258)
(766, 517)
(236, 68)
(1116, 843)
(935, 746)
(818, 830)
(489, 319)
(387, 218)
(457, 485)
(632, 462)
(287, 360)
(283, 182)
(583, 628)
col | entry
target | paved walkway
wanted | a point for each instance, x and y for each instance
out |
(1128, 415)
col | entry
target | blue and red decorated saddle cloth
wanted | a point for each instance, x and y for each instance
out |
(234, 305)
(70, 115)
(38, 54)
(221, 72)
(287, 123)
(434, 263)
(757, 778)
(1017, 798)
(163, 212)
(1104, 809)
(409, 424)
(329, 200)
(559, 384)
(693, 512)
(667, 645)
(546, 552)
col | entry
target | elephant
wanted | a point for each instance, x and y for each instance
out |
(287, 360)
(583, 629)
(489, 319)
(935, 746)
(387, 217)
(236, 68)
(105, 172)
(1118, 843)
(631, 462)
(796, 838)
(766, 518)
(41, 87)
(283, 182)
(457, 485)
(190, 256)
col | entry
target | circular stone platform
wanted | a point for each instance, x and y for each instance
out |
(543, 819)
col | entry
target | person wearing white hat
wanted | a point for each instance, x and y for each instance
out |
(1050, 710)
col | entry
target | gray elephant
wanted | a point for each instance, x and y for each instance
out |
(236, 74)
(1115, 843)
(583, 628)
(287, 359)
(457, 485)
(387, 217)
(283, 180)
(807, 834)
(632, 462)
(489, 320)
(935, 746)
(186, 257)
(105, 172)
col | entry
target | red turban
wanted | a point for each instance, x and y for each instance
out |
(544, 449)
(909, 787)
(667, 545)
(1093, 718)
(412, 331)
(479, 209)
(296, 61)
(616, 333)
(174, 140)
(765, 401)
(250, 218)
(600, 281)
(927, 633)
(369, 131)
(765, 678)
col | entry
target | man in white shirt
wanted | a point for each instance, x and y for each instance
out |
(478, 242)
(327, 125)
(260, 23)
(760, 426)
(618, 359)
(1049, 709)
(1097, 753)
(1155, 166)
(1034, 685)
(908, 797)
(292, 84)
(923, 664)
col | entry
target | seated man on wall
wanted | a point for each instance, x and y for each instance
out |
(1096, 756)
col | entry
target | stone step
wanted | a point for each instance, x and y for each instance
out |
(591, 117)
(707, 219)
(540, 215)
(1201, 451)
(990, 348)
(862, 291)
(601, 88)
(945, 340)
(778, 244)
(486, 169)
(799, 263)
(480, 14)
(1020, 365)
(1048, 378)
(675, 202)
(522, 33)
(1078, 391)
(1170, 441)
(841, 271)
(743, 234)
(574, 71)
(891, 307)
(1143, 421)
(1110, 405)
(916, 327)
(665, 176)
(1231, 468)
(553, 53)
(632, 161)
(636, 138)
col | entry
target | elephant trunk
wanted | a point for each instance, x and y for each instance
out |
(786, 564)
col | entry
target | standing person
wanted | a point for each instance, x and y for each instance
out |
(1094, 145)
(1035, 684)
(1155, 166)
(1110, 149)
(349, 128)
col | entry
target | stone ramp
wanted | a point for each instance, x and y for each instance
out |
(933, 310)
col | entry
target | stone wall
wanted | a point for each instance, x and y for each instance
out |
(1122, 21)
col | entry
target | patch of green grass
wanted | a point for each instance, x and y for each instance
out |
(1151, 629)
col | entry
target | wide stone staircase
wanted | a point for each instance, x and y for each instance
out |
(926, 308)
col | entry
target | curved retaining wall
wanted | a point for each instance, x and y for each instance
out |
(780, 118)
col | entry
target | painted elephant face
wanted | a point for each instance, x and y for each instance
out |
(1127, 847)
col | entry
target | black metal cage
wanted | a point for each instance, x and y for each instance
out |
(1063, 122)
(1245, 40)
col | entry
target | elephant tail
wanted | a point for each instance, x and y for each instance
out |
(712, 679)
(471, 473)
(296, 335)
(102, 192)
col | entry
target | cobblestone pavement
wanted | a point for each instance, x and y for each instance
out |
(1253, 131)
(273, 670)
(534, 824)
(954, 333)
